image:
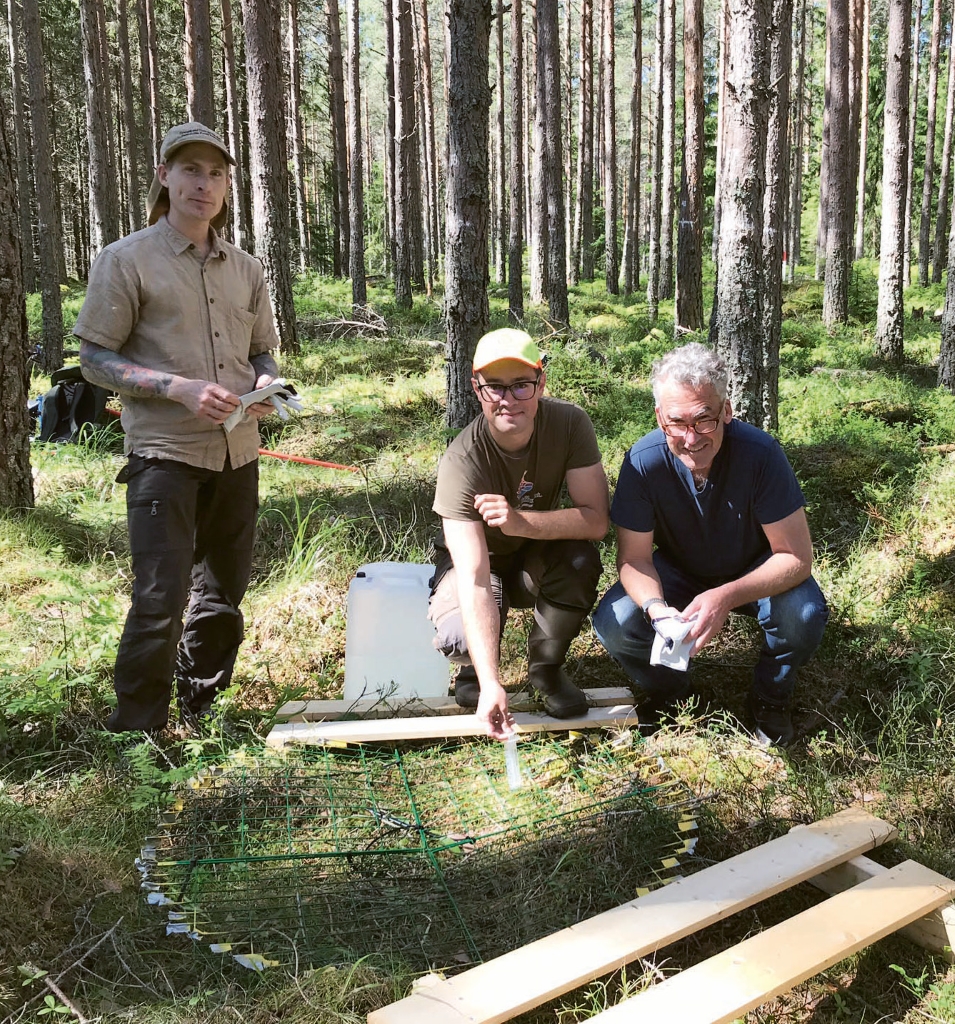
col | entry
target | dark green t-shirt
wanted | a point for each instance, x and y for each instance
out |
(531, 479)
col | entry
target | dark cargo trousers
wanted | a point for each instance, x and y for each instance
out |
(190, 536)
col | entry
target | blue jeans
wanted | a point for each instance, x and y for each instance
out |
(792, 622)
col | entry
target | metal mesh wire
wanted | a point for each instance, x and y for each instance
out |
(425, 858)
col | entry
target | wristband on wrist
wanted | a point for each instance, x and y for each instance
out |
(648, 604)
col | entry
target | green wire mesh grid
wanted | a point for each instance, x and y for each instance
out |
(424, 858)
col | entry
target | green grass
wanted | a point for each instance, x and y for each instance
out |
(876, 707)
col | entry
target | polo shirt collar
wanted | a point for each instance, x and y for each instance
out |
(179, 244)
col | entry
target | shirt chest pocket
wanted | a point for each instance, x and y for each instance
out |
(242, 324)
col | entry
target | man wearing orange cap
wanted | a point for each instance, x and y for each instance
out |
(506, 540)
(178, 321)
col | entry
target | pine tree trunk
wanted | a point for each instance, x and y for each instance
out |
(200, 97)
(582, 261)
(611, 247)
(48, 237)
(777, 189)
(500, 232)
(515, 242)
(928, 179)
(946, 354)
(891, 313)
(631, 234)
(656, 170)
(863, 135)
(466, 273)
(240, 221)
(133, 143)
(268, 146)
(794, 245)
(856, 47)
(567, 74)
(23, 182)
(548, 72)
(339, 167)
(390, 105)
(835, 303)
(356, 194)
(430, 148)
(944, 174)
(822, 216)
(669, 147)
(722, 33)
(16, 479)
(295, 125)
(916, 51)
(740, 278)
(689, 278)
(149, 79)
(409, 265)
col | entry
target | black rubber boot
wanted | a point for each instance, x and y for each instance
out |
(550, 638)
(467, 690)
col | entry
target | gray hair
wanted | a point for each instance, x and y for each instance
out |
(694, 365)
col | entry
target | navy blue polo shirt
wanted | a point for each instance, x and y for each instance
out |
(715, 534)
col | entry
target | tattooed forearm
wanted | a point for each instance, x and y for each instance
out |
(111, 370)
(264, 363)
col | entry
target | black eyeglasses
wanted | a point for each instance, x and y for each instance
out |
(522, 390)
(707, 425)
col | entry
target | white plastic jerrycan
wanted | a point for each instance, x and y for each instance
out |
(388, 649)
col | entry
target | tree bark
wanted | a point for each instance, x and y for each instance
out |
(656, 170)
(548, 71)
(582, 260)
(48, 237)
(740, 278)
(200, 95)
(268, 146)
(794, 246)
(430, 146)
(916, 51)
(356, 194)
(149, 78)
(863, 135)
(944, 175)
(631, 234)
(240, 220)
(21, 145)
(466, 274)
(339, 167)
(928, 178)
(722, 32)
(390, 156)
(669, 149)
(689, 278)
(133, 142)
(500, 147)
(835, 303)
(409, 265)
(16, 480)
(538, 211)
(891, 313)
(294, 51)
(611, 248)
(515, 241)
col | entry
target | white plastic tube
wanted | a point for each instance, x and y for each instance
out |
(511, 763)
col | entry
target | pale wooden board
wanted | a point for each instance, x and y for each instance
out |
(408, 707)
(438, 727)
(733, 982)
(525, 978)
(935, 931)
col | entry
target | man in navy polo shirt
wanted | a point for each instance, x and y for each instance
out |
(710, 519)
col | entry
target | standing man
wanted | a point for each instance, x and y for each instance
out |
(178, 321)
(710, 519)
(506, 541)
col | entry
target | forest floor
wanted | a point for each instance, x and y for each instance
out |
(874, 450)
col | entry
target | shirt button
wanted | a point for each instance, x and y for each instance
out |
(221, 366)
(212, 300)
(216, 333)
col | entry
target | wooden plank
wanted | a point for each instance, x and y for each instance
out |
(733, 982)
(438, 727)
(935, 931)
(501, 989)
(408, 707)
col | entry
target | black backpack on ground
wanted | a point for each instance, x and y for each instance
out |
(71, 404)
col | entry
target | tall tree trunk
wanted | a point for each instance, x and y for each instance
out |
(133, 142)
(611, 248)
(891, 313)
(669, 149)
(928, 179)
(339, 168)
(390, 156)
(548, 70)
(916, 50)
(567, 72)
(149, 77)
(104, 206)
(268, 145)
(200, 97)
(656, 169)
(16, 480)
(740, 278)
(20, 135)
(722, 36)
(944, 174)
(538, 248)
(582, 260)
(409, 265)
(240, 220)
(500, 233)
(777, 189)
(515, 242)
(822, 217)
(466, 275)
(48, 223)
(689, 278)
(863, 134)
(794, 243)
(356, 194)
(631, 234)
(430, 147)
(835, 303)
(856, 47)
(295, 126)
(422, 141)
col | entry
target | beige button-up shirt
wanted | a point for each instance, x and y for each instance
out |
(151, 296)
